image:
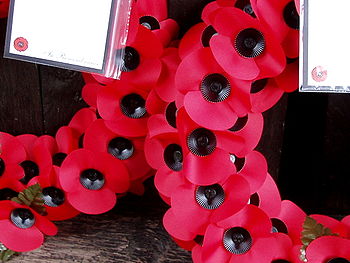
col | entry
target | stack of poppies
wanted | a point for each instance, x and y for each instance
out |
(190, 112)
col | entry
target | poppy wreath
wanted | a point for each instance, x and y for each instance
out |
(189, 112)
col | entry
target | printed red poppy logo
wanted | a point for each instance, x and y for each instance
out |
(21, 44)
(319, 74)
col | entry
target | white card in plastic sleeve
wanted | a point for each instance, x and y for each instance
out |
(324, 40)
(79, 35)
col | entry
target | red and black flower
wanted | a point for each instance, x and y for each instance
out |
(244, 237)
(213, 99)
(123, 107)
(91, 180)
(9, 188)
(55, 199)
(244, 47)
(22, 229)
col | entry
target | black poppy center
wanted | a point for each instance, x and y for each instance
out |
(201, 142)
(239, 124)
(2, 167)
(170, 114)
(22, 218)
(121, 148)
(280, 261)
(278, 226)
(207, 34)
(133, 106)
(254, 199)
(58, 159)
(173, 157)
(291, 16)
(149, 22)
(246, 6)
(128, 58)
(210, 197)
(92, 179)
(215, 88)
(250, 43)
(53, 196)
(258, 85)
(7, 194)
(237, 240)
(338, 260)
(31, 170)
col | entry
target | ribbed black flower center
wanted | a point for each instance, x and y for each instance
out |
(291, 16)
(258, 85)
(201, 142)
(2, 167)
(338, 260)
(149, 22)
(92, 179)
(237, 240)
(250, 43)
(245, 6)
(53, 196)
(7, 194)
(31, 170)
(133, 106)
(215, 88)
(210, 197)
(254, 199)
(278, 226)
(170, 114)
(58, 159)
(173, 157)
(280, 261)
(121, 148)
(128, 58)
(22, 218)
(239, 124)
(207, 34)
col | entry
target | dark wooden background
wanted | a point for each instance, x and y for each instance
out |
(305, 141)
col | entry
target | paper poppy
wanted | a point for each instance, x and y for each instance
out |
(267, 198)
(334, 225)
(123, 107)
(206, 153)
(154, 104)
(22, 229)
(55, 200)
(206, 204)
(90, 180)
(285, 251)
(329, 249)
(165, 87)
(346, 222)
(38, 161)
(99, 138)
(244, 237)
(12, 154)
(4, 6)
(209, 91)
(20, 44)
(247, 44)
(9, 188)
(283, 20)
(89, 92)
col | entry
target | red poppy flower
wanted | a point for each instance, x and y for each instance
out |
(244, 237)
(289, 221)
(99, 138)
(206, 204)
(90, 91)
(20, 44)
(209, 91)
(4, 6)
(22, 229)
(283, 20)
(90, 180)
(9, 188)
(206, 153)
(165, 87)
(285, 251)
(244, 42)
(346, 222)
(55, 200)
(197, 254)
(328, 249)
(122, 105)
(334, 225)
(38, 161)
(268, 198)
(12, 154)
(154, 104)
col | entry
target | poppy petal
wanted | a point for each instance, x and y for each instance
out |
(174, 227)
(166, 180)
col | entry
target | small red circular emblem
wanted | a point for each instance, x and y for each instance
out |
(319, 74)
(20, 44)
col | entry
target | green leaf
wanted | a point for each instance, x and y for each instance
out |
(311, 231)
(32, 197)
(6, 254)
